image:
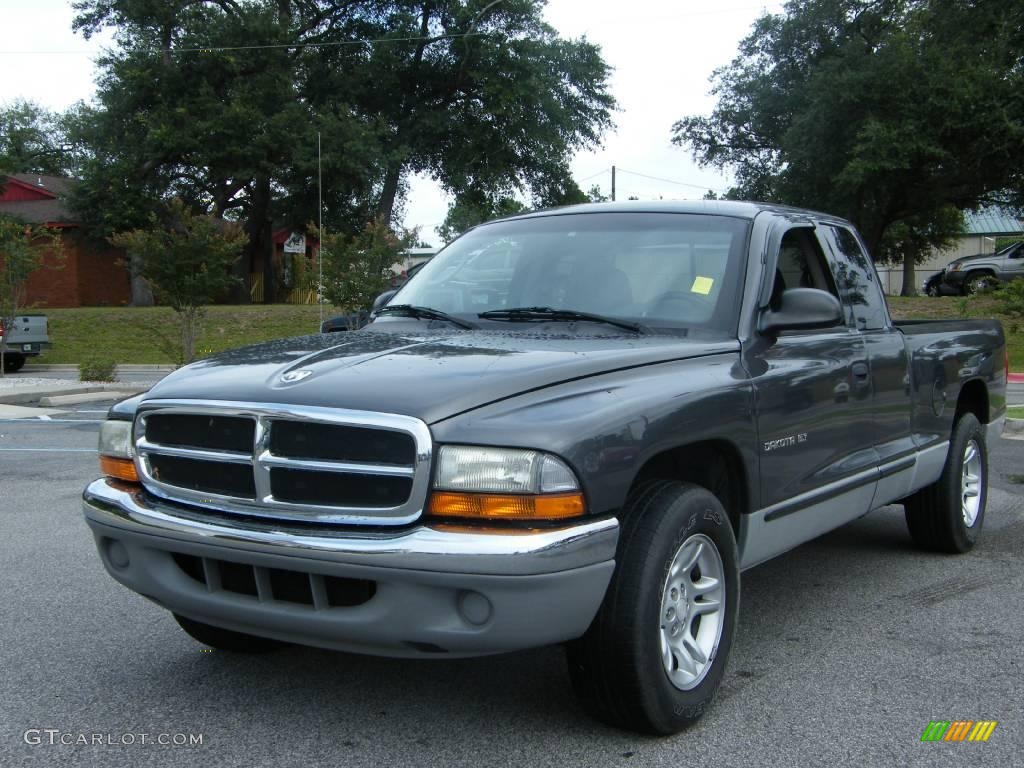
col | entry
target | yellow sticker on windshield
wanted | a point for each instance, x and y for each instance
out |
(702, 285)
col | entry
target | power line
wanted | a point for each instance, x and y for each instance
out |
(594, 175)
(671, 181)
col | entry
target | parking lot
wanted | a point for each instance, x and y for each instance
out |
(847, 648)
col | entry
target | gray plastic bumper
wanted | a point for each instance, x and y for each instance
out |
(437, 591)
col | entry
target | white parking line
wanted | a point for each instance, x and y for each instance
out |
(48, 450)
(48, 420)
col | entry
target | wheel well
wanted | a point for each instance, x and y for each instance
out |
(712, 464)
(973, 399)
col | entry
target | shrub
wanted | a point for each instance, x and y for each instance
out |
(97, 369)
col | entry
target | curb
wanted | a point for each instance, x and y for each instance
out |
(1015, 378)
(124, 367)
(76, 398)
(36, 395)
(1014, 426)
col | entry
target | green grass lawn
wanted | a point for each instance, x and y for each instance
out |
(1015, 411)
(142, 334)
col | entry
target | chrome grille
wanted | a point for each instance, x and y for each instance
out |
(285, 462)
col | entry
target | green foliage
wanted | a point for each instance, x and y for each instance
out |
(482, 96)
(885, 113)
(188, 261)
(963, 305)
(357, 268)
(595, 195)
(32, 140)
(468, 210)
(22, 248)
(1011, 300)
(97, 369)
(1005, 242)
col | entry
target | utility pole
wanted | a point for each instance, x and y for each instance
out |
(613, 183)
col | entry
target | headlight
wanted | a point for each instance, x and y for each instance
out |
(504, 484)
(116, 450)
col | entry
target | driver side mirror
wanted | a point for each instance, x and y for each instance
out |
(383, 299)
(802, 309)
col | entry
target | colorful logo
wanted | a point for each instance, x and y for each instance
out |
(958, 730)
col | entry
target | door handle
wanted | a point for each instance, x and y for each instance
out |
(861, 372)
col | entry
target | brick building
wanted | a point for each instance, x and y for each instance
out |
(87, 274)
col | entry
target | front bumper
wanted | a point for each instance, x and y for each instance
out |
(953, 282)
(437, 590)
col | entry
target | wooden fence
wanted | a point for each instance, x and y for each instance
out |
(304, 292)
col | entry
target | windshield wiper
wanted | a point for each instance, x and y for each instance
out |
(540, 314)
(425, 313)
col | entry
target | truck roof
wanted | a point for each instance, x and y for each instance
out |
(740, 209)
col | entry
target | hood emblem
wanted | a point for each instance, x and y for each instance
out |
(292, 376)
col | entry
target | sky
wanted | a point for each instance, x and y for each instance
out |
(662, 53)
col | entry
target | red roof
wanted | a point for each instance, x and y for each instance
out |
(36, 199)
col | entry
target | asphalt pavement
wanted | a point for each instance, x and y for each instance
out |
(846, 649)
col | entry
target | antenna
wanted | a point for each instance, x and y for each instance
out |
(320, 230)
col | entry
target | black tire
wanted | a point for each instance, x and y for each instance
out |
(935, 514)
(13, 362)
(616, 668)
(978, 282)
(226, 639)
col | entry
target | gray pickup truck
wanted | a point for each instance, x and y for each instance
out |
(586, 448)
(27, 337)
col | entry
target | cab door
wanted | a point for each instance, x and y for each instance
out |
(818, 465)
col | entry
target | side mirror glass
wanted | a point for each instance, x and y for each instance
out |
(802, 309)
(383, 299)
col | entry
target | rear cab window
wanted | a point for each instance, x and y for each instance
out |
(856, 279)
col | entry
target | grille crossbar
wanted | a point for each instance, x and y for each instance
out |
(324, 480)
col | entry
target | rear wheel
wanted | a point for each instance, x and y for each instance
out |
(947, 515)
(13, 362)
(657, 649)
(226, 639)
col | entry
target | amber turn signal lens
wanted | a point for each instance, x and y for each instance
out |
(489, 506)
(122, 469)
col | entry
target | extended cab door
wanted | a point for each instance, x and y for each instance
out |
(818, 464)
(864, 301)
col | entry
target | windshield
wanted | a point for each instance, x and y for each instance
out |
(665, 270)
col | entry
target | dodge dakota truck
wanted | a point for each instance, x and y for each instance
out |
(585, 447)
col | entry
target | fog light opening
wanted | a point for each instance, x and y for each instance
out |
(117, 554)
(475, 608)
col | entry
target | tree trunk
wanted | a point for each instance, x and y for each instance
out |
(258, 228)
(909, 279)
(386, 206)
(142, 293)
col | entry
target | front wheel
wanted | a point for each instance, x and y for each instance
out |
(947, 515)
(656, 652)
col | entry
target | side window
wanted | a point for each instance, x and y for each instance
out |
(801, 265)
(857, 279)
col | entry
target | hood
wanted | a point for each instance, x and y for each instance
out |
(431, 376)
(975, 257)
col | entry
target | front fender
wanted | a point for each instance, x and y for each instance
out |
(607, 427)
